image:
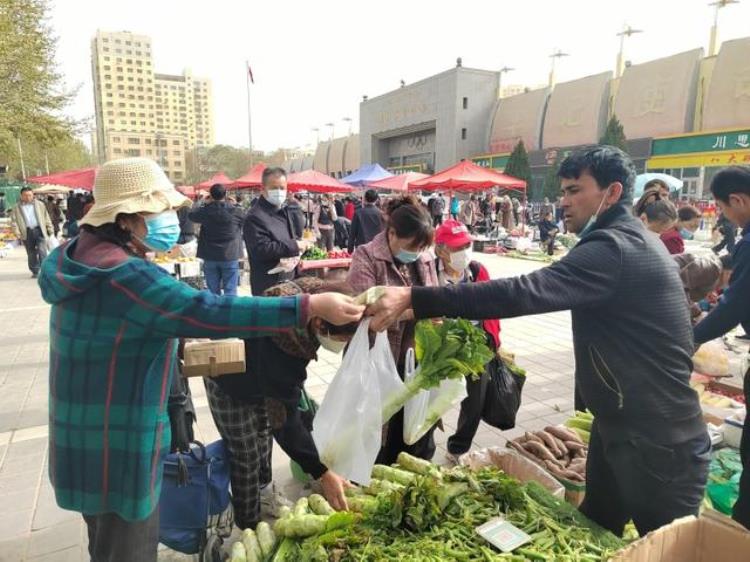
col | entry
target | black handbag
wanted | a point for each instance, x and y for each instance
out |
(503, 397)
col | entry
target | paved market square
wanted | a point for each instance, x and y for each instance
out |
(32, 527)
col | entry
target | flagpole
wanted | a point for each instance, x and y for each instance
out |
(249, 121)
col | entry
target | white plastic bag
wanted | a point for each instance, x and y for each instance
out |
(52, 242)
(347, 426)
(711, 359)
(426, 408)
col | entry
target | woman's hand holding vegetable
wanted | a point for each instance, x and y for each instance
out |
(336, 308)
(333, 489)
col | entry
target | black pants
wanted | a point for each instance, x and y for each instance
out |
(36, 250)
(469, 416)
(113, 539)
(636, 478)
(437, 220)
(741, 511)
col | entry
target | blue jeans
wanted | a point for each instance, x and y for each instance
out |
(222, 277)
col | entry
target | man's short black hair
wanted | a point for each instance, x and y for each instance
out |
(606, 164)
(274, 172)
(218, 192)
(371, 196)
(26, 188)
(735, 179)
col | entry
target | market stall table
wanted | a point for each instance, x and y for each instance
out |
(336, 263)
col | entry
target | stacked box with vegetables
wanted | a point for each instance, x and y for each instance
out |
(417, 511)
(558, 449)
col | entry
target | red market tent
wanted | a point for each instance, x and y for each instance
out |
(316, 182)
(77, 179)
(467, 176)
(220, 178)
(399, 182)
(187, 190)
(253, 178)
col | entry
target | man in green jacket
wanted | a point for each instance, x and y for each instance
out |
(113, 326)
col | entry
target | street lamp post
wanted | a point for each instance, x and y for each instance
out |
(502, 71)
(713, 42)
(554, 56)
(348, 120)
(332, 126)
(626, 32)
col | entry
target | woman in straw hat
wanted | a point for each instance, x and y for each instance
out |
(114, 320)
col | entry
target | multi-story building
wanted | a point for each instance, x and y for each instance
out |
(141, 113)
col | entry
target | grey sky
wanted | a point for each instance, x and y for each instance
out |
(313, 60)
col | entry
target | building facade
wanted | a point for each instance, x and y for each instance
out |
(142, 113)
(431, 124)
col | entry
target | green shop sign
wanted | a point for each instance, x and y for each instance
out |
(497, 162)
(714, 142)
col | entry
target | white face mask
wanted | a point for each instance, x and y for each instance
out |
(330, 344)
(592, 221)
(460, 260)
(276, 196)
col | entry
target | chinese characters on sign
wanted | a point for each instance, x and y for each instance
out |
(733, 140)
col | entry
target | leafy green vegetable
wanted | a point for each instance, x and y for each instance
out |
(314, 253)
(452, 349)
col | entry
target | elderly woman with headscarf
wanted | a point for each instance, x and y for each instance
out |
(114, 324)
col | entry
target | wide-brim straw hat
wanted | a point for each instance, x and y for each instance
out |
(131, 185)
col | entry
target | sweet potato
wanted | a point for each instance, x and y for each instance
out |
(523, 452)
(539, 450)
(549, 442)
(563, 433)
(531, 437)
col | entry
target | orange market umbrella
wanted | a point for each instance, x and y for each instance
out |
(467, 176)
(316, 182)
(220, 178)
(399, 182)
(253, 178)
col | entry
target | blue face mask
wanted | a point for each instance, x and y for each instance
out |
(592, 221)
(686, 234)
(162, 231)
(407, 257)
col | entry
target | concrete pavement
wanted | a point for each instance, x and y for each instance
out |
(32, 527)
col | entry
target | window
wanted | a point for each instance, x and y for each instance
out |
(128, 43)
(466, 103)
(176, 142)
(177, 175)
(106, 40)
(106, 49)
(134, 140)
(121, 104)
(115, 139)
(149, 152)
(117, 151)
(177, 164)
(133, 152)
(463, 133)
(176, 153)
(106, 67)
(148, 141)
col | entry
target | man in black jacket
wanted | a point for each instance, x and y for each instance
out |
(219, 241)
(649, 451)
(731, 189)
(269, 233)
(367, 222)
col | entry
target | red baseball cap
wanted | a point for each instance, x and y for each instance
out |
(453, 234)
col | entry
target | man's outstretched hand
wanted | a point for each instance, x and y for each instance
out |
(388, 308)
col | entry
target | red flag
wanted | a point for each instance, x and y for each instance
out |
(250, 73)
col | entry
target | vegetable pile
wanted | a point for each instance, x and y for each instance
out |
(450, 350)
(314, 253)
(581, 424)
(418, 512)
(558, 449)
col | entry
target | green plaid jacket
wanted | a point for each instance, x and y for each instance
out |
(112, 356)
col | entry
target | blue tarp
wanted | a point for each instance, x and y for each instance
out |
(366, 174)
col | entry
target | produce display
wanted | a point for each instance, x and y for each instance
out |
(451, 349)
(314, 253)
(581, 423)
(558, 449)
(426, 513)
(716, 398)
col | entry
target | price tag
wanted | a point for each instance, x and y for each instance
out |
(502, 534)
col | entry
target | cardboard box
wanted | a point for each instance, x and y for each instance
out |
(712, 537)
(213, 358)
(514, 465)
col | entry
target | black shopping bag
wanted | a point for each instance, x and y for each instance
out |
(503, 397)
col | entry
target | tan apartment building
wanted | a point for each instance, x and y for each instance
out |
(142, 113)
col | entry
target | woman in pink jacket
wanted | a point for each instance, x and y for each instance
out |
(398, 257)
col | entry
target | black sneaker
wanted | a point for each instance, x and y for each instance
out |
(34, 275)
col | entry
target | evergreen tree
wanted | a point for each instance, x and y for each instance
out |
(551, 188)
(518, 164)
(615, 134)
